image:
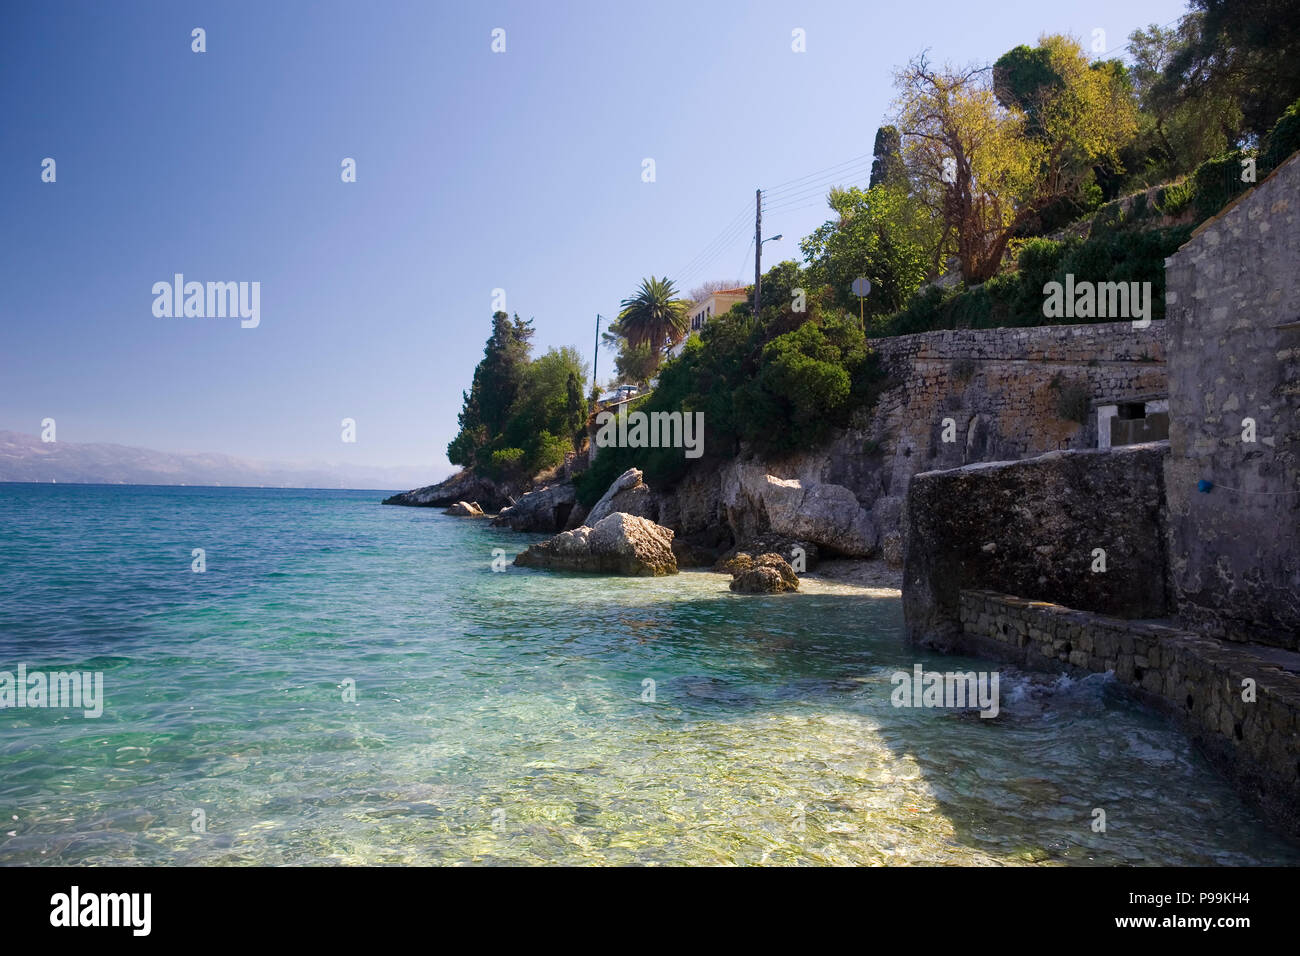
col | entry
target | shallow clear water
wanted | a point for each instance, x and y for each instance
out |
(499, 716)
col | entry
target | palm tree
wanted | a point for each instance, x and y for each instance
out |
(654, 316)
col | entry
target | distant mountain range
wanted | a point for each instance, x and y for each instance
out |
(27, 458)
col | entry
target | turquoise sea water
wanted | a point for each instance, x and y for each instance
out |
(501, 717)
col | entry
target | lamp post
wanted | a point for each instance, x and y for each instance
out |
(595, 360)
(758, 273)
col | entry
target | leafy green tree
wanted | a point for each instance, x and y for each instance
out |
(1247, 51)
(636, 364)
(575, 409)
(547, 410)
(1023, 79)
(1176, 132)
(880, 234)
(987, 169)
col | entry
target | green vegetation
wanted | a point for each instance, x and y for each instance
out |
(880, 233)
(1073, 400)
(780, 383)
(1016, 298)
(521, 415)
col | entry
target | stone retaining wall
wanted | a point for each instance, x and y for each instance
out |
(1040, 528)
(1234, 354)
(1003, 389)
(1199, 680)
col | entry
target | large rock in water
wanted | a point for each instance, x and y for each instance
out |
(767, 574)
(629, 495)
(617, 544)
(791, 549)
(545, 510)
(462, 486)
(465, 509)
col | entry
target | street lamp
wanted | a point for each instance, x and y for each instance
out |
(758, 274)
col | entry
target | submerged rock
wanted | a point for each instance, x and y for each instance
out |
(617, 544)
(767, 574)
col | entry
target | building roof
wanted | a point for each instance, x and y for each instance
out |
(743, 290)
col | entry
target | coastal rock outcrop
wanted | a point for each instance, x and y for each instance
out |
(767, 574)
(462, 486)
(617, 544)
(629, 494)
(546, 510)
(826, 514)
(465, 509)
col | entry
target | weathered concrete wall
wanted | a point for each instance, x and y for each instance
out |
(1033, 528)
(1251, 731)
(1234, 353)
(997, 385)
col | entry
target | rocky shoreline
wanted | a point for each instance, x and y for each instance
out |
(622, 534)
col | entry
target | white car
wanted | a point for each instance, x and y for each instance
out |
(620, 394)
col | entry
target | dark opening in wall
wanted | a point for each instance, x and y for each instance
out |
(1128, 411)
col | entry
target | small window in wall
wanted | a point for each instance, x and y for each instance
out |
(1137, 422)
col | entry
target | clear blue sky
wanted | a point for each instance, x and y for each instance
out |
(475, 171)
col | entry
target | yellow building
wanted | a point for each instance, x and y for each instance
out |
(716, 304)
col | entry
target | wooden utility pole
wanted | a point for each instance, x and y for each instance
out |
(595, 362)
(758, 248)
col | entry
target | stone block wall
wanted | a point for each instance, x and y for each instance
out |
(1037, 528)
(1003, 389)
(1201, 681)
(1233, 294)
